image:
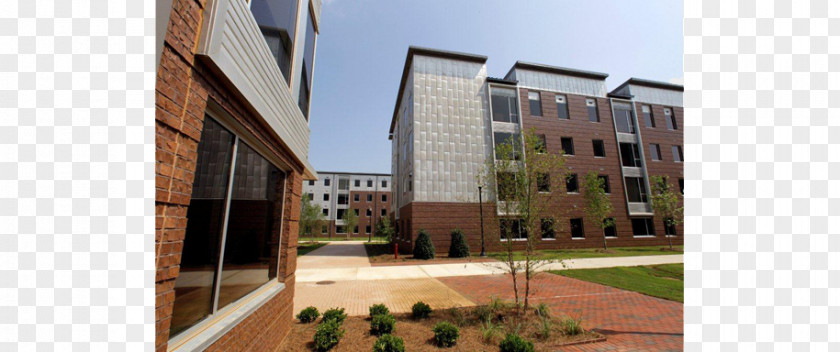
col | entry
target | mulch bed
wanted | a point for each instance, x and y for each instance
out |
(418, 335)
(383, 255)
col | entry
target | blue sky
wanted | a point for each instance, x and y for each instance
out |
(362, 46)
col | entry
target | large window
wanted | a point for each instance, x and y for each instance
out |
(576, 225)
(534, 103)
(562, 107)
(306, 70)
(568, 145)
(609, 231)
(670, 230)
(655, 153)
(507, 145)
(630, 155)
(624, 118)
(636, 189)
(670, 119)
(233, 205)
(572, 183)
(547, 228)
(647, 113)
(276, 19)
(543, 182)
(643, 227)
(592, 110)
(605, 183)
(512, 228)
(598, 148)
(504, 105)
(677, 151)
(343, 199)
(343, 184)
(540, 148)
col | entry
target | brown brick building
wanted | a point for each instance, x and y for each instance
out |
(232, 140)
(366, 194)
(449, 115)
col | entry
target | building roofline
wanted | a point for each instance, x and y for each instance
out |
(649, 83)
(409, 57)
(352, 173)
(502, 81)
(557, 70)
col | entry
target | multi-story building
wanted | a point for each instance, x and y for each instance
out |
(366, 194)
(232, 140)
(449, 116)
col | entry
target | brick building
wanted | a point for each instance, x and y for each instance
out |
(366, 194)
(449, 115)
(232, 141)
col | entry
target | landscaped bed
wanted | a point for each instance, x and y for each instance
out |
(480, 329)
(382, 254)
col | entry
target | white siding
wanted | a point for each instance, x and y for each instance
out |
(656, 95)
(560, 83)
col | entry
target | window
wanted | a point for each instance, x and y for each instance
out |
(624, 118)
(598, 148)
(592, 109)
(507, 185)
(609, 231)
(340, 229)
(670, 230)
(512, 228)
(369, 213)
(568, 146)
(677, 151)
(636, 189)
(572, 184)
(383, 213)
(643, 227)
(343, 199)
(242, 194)
(344, 184)
(507, 146)
(356, 198)
(357, 183)
(547, 228)
(384, 198)
(370, 197)
(562, 107)
(370, 183)
(681, 186)
(534, 103)
(648, 116)
(323, 230)
(504, 108)
(325, 211)
(339, 213)
(311, 182)
(670, 119)
(326, 197)
(543, 182)
(630, 155)
(277, 20)
(356, 211)
(540, 148)
(655, 154)
(577, 227)
(605, 183)
(306, 70)
(384, 183)
(356, 229)
(367, 229)
(326, 182)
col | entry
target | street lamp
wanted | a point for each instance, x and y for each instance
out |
(481, 214)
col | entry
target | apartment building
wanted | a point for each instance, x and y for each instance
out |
(234, 82)
(450, 114)
(366, 194)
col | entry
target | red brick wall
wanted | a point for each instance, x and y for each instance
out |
(665, 138)
(184, 87)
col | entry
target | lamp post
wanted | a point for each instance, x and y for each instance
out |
(481, 214)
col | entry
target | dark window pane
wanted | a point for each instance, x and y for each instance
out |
(568, 146)
(636, 189)
(311, 196)
(339, 213)
(512, 228)
(630, 155)
(677, 151)
(326, 196)
(592, 110)
(205, 217)
(311, 182)
(326, 212)
(543, 183)
(504, 106)
(654, 152)
(507, 146)
(681, 186)
(384, 184)
(670, 120)
(647, 113)
(547, 227)
(355, 197)
(253, 236)
(326, 182)
(572, 183)
(562, 107)
(624, 118)
(357, 183)
(370, 197)
(643, 227)
(308, 63)
(576, 226)
(276, 19)
(384, 198)
(609, 231)
(343, 199)
(370, 183)
(598, 148)
(605, 183)
(534, 103)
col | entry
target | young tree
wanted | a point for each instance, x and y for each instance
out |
(522, 175)
(666, 203)
(598, 206)
(351, 220)
(311, 217)
(384, 228)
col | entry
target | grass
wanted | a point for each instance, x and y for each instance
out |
(663, 281)
(305, 248)
(383, 254)
(556, 254)
(307, 238)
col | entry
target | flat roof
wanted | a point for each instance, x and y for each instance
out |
(416, 50)
(649, 83)
(558, 70)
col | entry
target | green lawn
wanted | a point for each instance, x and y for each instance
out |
(591, 253)
(663, 281)
(304, 248)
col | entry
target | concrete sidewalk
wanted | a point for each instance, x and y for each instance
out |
(362, 273)
(335, 255)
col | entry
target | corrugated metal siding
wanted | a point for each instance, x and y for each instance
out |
(656, 95)
(560, 83)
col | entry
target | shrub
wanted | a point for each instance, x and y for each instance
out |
(542, 310)
(446, 334)
(458, 247)
(420, 310)
(483, 313)
(457, 316)
(378, 309)
(308, 315)
(389, 343)
(571, 326)
(544, 327)
(423, 247)
(382, 324)
(327, 334)
(489, 330)
(514, 343)
(336, 314)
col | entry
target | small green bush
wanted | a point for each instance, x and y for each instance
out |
(545, 327)
(389, 343)
(423, 247)
(382, 324)
(327, 334)
(483, 313)
(420, 310)
(308, 315)
(446, 334)
(542, 310)
(489, 330)
(571, 326)
(458, 247)
(336, 314)
(514, 343)
(378, 309)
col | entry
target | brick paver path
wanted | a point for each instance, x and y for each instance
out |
(631, 321)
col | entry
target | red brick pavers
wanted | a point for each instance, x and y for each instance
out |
(630, 321)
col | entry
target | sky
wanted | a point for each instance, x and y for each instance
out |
(362, 44)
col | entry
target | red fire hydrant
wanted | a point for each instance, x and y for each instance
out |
(396, 251)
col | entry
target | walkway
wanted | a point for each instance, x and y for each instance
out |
(335, 255)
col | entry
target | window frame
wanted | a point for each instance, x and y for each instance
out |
(571, 143)
(564, 108)
(572, 229)
(552, 230)
(655, 151)
(676, 150)
(595, 106)
(670, 118)
(614, 230)
(532, 101)
(596, 143)
(650, 121)
(543, 183)
(606, 185)
(573, 179)
(649, 226)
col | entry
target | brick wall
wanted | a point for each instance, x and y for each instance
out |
(665, 138)
(183, 89)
